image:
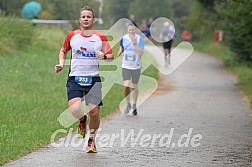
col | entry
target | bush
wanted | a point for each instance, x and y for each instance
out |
(235, 19)
(15, 34)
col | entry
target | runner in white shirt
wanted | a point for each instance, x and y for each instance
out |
(87, 48)
(131, 45)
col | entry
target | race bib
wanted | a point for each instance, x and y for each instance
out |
(130, 57)
(84, 80)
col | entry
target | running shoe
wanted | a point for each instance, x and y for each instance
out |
(127, 109)
(81, 130)
(134, 110)
(91, 147)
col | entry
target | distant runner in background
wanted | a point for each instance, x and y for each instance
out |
(131, 45)
(166, 36)
(186, 35)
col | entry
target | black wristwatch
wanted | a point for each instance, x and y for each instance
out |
(105, 57)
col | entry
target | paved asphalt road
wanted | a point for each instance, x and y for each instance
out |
(203, 107)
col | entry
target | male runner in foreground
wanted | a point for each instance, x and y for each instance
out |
(87, 48)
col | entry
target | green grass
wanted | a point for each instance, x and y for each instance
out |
(32, 95)
(11, 38)
(241, 69)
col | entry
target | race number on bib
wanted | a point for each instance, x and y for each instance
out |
(130, 57)
(84, 80)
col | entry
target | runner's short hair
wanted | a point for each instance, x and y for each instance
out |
(132, 24)
(89, 9)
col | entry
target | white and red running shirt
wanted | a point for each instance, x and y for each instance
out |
(84, 61)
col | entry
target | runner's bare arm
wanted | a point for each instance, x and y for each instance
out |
(62, 58)
(110, 56)
(121, 50)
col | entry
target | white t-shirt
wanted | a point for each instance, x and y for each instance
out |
(84, 61)
(131, 60)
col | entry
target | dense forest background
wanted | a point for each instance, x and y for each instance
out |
(201, 17)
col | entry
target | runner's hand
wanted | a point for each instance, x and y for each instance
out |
(58, 68)
(134, 41)
(100, 55)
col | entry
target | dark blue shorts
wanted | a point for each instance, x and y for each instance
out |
(168, 45)
(91, 94)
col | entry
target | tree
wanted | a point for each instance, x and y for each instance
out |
(115, 10)
(70, 10)
(235, 19)
(181, 12)
(208, 4)
(201, 21)
(181, 8)
(12, 6)
(144, 9)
